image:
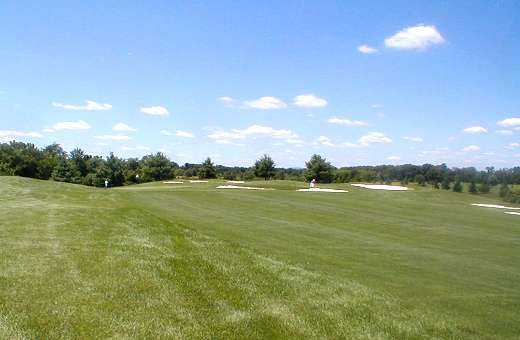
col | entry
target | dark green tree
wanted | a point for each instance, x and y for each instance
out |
(457, 187)
(264, 167)
(473, 188)
(484, 188)
(445, 183)
(319, 169)
(207, 170)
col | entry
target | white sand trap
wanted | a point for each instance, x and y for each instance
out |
(173, 182)
(198, 181)
(494, 206)
(236, 182)
(239, 187)
(512, 213)
(381, 187)
(321, 190)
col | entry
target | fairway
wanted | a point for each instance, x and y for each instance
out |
(192, 261)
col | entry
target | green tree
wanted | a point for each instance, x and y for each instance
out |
(207, 170)
(473, 188)
(264, 167)
(156, 168)
(484, 188)
(320, 169)
(504, 190)
(445, 183)
(457, 187)
(66, 171)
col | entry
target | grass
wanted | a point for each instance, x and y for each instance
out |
(190, 261)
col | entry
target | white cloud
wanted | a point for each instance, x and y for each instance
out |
(116, 138)
(475, 129)
(155, 110)
(48, 130)
(376, 106)
(374, 138)
(135, 148)
(184, 134)
(309, 100)
(345, 121)
(8, 135)
(413, 139)
(323, 140)
(512, 146)
(123, 127)
(226, 137)
(89, 106)
(78, 125)
(266, 103)
(471, 148)
(393, 158)
(505, 132)
(415, 38)
(166, 133)
(227, 101)
(509, 122)
(365, 49)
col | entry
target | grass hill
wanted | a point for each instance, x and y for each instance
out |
(191, 261)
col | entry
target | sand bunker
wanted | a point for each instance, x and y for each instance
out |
(236, 182)
(512, 213)
(321, 190)
(173, 182)
(198, 181)
(381, 187)
(239, 187)
(494, 206)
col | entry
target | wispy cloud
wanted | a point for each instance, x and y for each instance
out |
(505, 132)
(155, 110)
(365, 49)
(346, 121)
(77, 125)
(471, 148)
(227, 101)
(475, 130)
(374, 138)
(123, 127)
(115, 138)
(512, 146)
(166, 133)
(184, 134)
(413, 139)
(90, 105)
(135, 148)
(8, 135)
(415, 38)
(253, 131)
(309, 101)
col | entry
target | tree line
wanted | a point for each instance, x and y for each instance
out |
(52, 162)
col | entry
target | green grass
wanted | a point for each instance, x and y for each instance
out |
(190, 261)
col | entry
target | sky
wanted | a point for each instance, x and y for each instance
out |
(358, 82)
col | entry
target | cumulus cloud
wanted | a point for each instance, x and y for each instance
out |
(155, 110)
(123, 127)
(115, 138)
(475, 130)
(78, 125)
(374, 138)
(471, 148)
(89, 106)
(184, 134)
(253, 131)
(365, 49)
(415, 38)
(413, 139)
(309, 100)
(345, 121)
(8, 135)
(509, 122)
(266, 103)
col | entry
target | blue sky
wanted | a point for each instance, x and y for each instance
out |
(386, 82)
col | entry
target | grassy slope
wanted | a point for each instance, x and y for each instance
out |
(190, 261)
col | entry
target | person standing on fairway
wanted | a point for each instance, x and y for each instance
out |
(313, 183)
(106, 183)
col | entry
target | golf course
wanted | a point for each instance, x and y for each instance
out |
(189, 260)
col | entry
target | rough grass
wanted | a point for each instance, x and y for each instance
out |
(157, 261)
